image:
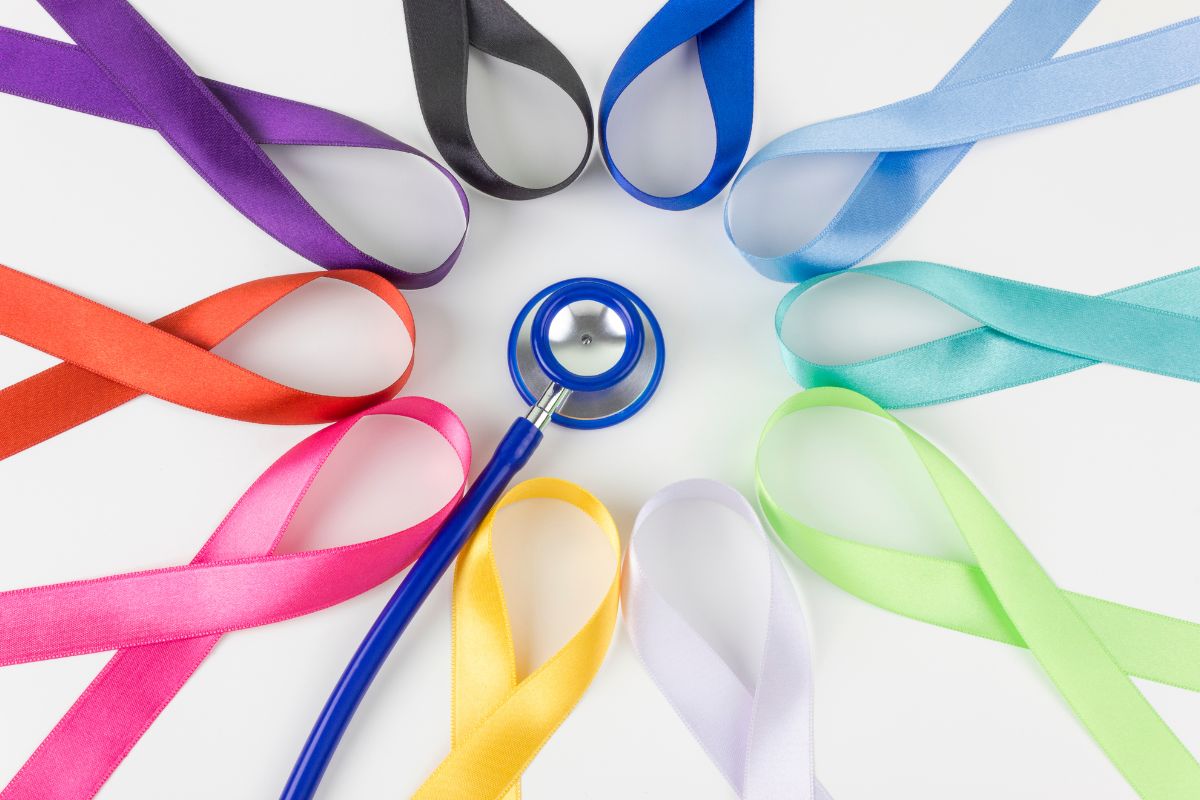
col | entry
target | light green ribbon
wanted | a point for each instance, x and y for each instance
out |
(1089, 647)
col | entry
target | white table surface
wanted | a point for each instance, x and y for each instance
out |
(1095, 470)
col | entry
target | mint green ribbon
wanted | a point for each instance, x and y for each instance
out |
(1089, 647)
(1027, 333)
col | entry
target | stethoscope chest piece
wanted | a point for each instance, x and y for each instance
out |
(594, 338)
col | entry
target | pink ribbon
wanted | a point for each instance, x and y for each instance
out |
(164, 622)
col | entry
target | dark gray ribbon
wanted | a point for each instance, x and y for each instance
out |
(439, 33)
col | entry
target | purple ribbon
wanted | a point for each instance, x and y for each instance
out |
(121, 69)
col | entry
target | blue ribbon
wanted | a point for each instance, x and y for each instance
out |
(1028, 333)
(724, 34)
(1007, 82)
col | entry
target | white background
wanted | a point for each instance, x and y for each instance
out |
(1095, 470)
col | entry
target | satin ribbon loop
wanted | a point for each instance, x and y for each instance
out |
(110, 358)
(1007, 82)
(1088, 647)
(500, 724)
(120, 68)
(163, 623)
(439, 34)
(759, 737)
(1028, 333)
(724, 34)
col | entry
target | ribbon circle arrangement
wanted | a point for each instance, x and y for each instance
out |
(498, 723)
(759, 737)
(1089, 647)
(1006, 82)
(1028, 333)
(164, 622)
(110, 358)
(439, 34)
(121, 69)
(724, 34)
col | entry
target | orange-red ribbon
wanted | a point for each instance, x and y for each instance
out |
(109, 358)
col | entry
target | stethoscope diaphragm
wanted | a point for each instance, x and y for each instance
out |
(593, 337)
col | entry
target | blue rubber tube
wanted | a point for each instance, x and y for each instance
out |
(511, 455)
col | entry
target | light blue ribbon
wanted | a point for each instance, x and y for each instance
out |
(1028, 333)
(1007, 82)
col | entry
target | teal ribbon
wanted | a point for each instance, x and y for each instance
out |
(1027, 333)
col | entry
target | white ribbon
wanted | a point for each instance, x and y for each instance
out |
(760, 737)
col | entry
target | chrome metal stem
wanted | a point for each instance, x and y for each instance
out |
(549, 403)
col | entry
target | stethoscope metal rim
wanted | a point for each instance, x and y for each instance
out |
(633, 389)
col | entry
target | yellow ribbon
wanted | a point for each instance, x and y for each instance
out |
(498, 724)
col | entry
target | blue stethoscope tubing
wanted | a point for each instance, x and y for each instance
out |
(510, 456)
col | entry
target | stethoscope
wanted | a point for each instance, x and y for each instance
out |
(585, 353)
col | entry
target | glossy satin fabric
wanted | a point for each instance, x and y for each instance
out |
(1006, 82)
(164, 622)
(760, 737)
(121, 69)
(1087, 646)
(1028, 333)
(724, 34)
(498, 723)
(110, 358)
(439, 33)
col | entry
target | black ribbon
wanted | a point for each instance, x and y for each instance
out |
(439, 33)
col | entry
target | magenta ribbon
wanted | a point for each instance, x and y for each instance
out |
(122, 69)
(164, 622)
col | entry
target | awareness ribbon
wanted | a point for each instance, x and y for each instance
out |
(439, 33)
(498, 724)
(1028, 333)
(121, 69)
(164, 622)
(1007, 82)
(724, 34)
(1088, 647)
(759, 737)
(110, 358)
